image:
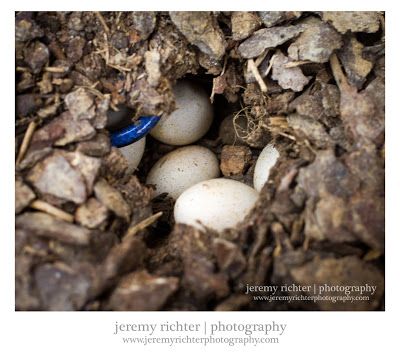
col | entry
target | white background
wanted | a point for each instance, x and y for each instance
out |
(334, 333)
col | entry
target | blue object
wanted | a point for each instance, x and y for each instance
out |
(133, 132)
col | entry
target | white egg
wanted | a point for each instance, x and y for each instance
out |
(133, 154)
(267, 159)
(191, 119)
(217, 204)
(182, 168)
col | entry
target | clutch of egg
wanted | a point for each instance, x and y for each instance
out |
(189, 174)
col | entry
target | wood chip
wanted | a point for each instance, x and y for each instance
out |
(288, 78)
(267, 38)
(234, 160)
(50, 227)
(112, 199)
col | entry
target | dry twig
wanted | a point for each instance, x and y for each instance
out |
(261, 57)
(253, 68)
(296, 64)
(132, 231)
(52, 210)
(337, 71)
(56, 69)
(102, 21)
(25, 142)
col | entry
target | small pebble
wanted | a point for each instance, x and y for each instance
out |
(217, 204)
(267, 159)
(183, 168)
(191, 119)
(133, 154)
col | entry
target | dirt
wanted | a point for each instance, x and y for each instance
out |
(88, 237)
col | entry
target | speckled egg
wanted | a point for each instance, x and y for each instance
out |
(191, 119)
(133, 154)
(182, 168)
(267, 159)
(217, 204)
